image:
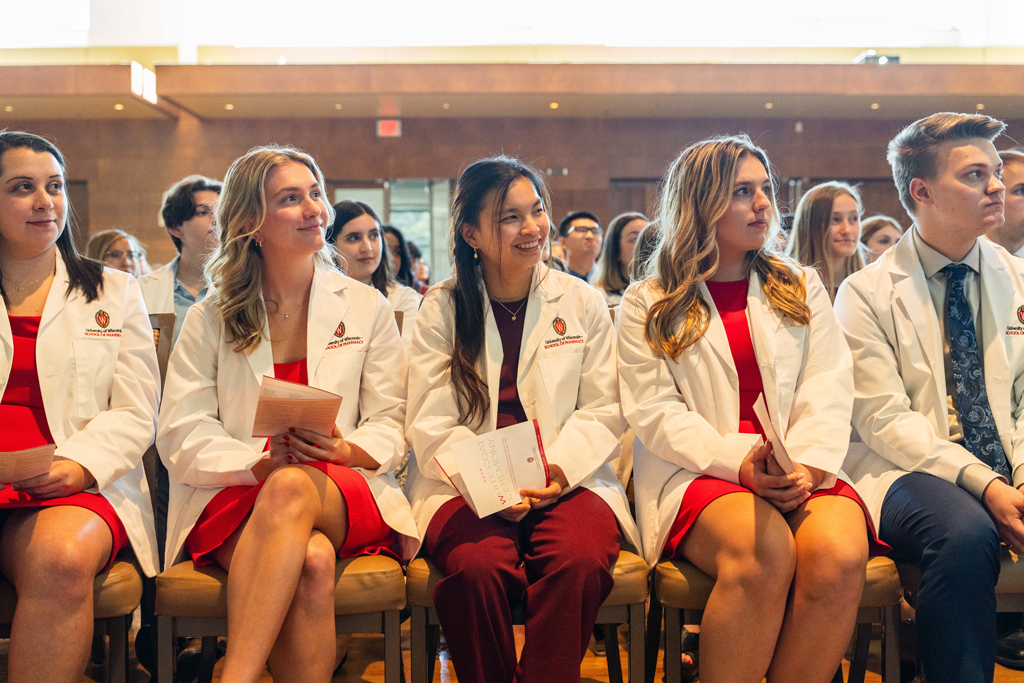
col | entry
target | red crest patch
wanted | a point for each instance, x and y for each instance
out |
(340, 332)
(559, 326)
(102, 318)
(1020, 315)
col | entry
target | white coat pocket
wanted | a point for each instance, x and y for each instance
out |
(95, 361)
(561, 375)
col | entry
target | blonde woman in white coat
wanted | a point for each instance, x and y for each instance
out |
(505, 341)
(277, 515)
(723, 319)
(78, 370)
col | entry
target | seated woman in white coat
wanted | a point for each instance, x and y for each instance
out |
(275, 514)
(507, 340)
(78, 370)
(721, 320)
(359, 238)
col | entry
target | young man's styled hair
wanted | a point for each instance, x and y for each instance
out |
(563, 226)
(178, 205)
(1014, 155)
(912, 152)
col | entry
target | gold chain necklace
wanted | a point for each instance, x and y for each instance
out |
(22, 288)
(515, 312)
(285, 315)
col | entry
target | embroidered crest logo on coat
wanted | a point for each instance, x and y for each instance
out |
(559, 326)
(102, 318)
(1020, 315)
(340, 332)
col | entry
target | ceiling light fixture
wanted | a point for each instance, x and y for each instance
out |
(229, 107)
(446, 106)
(979, 106)
(768, 105)
(8, 108)
(119, 106)
(553, 105)
(338, 106)
(874, 105)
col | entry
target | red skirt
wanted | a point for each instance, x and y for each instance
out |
(368, 533)
(14, 500)
(704, 489)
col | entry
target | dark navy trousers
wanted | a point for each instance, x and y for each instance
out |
(949, 534)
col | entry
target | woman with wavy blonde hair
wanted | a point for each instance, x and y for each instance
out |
(277, 513)
(722, 321)
(826, 232)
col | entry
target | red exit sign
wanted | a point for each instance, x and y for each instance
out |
(389, 128)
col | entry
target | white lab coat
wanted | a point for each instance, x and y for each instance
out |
(900, 409)
(100, 392)
(686, 413)
(204, 435)
(406, 300)
(570, 388)
(158, 288)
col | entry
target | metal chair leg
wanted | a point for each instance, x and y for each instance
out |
(654, 614)
(637, 655)
(392, 647)
(165, 649)
(610, 635)
(208, 659)
(859, 664)
(433, 643)
(891, 645)
(418, 646)
(673, 650)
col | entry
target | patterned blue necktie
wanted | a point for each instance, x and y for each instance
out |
(980, 434)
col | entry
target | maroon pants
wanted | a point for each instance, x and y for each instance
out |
(557, 560)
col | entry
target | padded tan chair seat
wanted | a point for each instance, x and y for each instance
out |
(1011, 575)
(629, 572)
(116, 592)
(681, 585)
(364, 584)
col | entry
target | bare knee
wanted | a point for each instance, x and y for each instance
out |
(319, 565)
(62, 568)
(831, 567)
(287, 493)
(761, 559)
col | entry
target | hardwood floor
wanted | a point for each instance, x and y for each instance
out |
(365, 665)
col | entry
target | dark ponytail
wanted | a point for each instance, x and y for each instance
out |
(84, 274)
(484, 182)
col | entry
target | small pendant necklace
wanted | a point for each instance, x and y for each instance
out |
(22, 288)
(285, 315)
(515, 312)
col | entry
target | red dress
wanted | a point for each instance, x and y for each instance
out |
(23, 425)
(731, 301)
(368, 533)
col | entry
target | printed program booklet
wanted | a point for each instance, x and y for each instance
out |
(21, 465)
(779, 451)
(286, 404)
(494, 467)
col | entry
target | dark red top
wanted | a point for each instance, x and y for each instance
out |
(731, 301)
(22, 418)
(510, 408)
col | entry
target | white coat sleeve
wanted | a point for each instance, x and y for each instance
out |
(382, 391)
(818, 433)
(191, 440)
(1016, 456)
(656, 410)
(113, 442)
(882, 413)
(432, 422)
(590, 437)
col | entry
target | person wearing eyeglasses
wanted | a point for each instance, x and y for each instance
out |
(187, 214)
(118, 250)
(580, 235)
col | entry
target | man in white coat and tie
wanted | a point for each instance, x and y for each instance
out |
(936, 327)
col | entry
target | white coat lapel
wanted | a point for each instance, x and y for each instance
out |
(715, 336)
(915, 301)
(55, 300)
(996, 302)
(494, 354)
(261, 359)
(326, 310)
(6, 350)
(541, 311)
(765, 328)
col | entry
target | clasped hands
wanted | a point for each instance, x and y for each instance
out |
(65, 478)
(763, 475)
(299, 445)
(534, 499)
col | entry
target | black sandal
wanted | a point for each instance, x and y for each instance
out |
(689, 643)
